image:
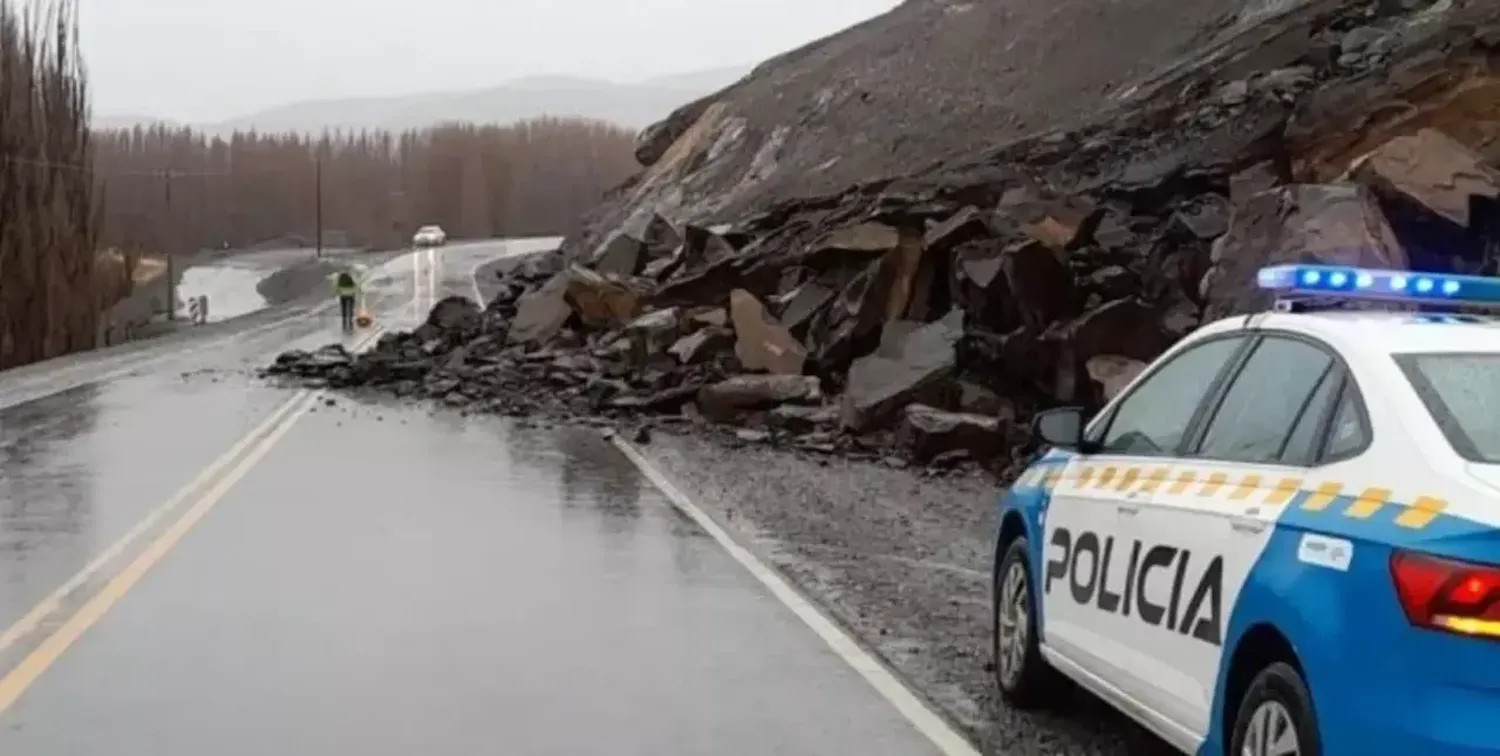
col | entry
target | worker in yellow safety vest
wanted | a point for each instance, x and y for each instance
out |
(347, 289)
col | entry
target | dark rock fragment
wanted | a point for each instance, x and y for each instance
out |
(928, 431)
(729, 399)
(884, 382)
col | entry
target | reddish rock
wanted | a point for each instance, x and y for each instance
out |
(761, 342)
(602, 300)
(1432, 170)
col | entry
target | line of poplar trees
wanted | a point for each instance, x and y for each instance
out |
(79, 207)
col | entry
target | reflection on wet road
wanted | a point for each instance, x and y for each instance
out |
(80, 469)
(373, 579)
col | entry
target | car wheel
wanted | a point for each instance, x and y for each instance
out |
(1025, 678)
(1276, 716)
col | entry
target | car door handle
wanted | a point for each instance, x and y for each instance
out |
(1128, 509)
(1247, 526)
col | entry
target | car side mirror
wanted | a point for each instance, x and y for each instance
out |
(1061, 427)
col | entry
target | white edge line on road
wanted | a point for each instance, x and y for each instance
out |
(416, 285)
(948, 740)
(432, 278)
(474, 279)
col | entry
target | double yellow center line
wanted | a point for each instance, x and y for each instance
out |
(204, 491)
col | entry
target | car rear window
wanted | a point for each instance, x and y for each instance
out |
(1462, 391)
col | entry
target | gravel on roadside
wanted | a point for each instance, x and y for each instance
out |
(904, 562)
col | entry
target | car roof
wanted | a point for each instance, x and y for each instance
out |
(1389, 332)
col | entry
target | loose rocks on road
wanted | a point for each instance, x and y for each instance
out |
(911, 326)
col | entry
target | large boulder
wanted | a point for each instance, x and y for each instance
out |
(1432, 170)
(1440, 197)
(542, 312)
(761, 342)
(881, 384)
(621, 255)
(455, 314)
(602, 300)
(1329, 224)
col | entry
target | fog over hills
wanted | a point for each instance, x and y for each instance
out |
(634, 104)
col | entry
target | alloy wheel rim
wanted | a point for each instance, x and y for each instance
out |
(1014, 625)
(1271, 732)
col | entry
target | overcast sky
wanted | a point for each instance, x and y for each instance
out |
(209, 60)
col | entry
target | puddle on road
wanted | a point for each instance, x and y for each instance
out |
(47, 503)
(80, 468)
(42, 490)
(574, 472)
(231, 290)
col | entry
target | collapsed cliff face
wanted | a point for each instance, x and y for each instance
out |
(934, 301)
(930, 79)
(936, 85)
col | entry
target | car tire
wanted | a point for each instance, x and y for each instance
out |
(1276, 711)
(1025, 679)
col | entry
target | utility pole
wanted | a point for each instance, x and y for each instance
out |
(171, 268)
(318, 199)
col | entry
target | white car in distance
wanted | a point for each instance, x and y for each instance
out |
(429, 236)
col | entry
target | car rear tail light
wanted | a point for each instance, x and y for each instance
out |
(1443, 594)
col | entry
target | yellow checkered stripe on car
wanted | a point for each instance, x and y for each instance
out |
(1248, 489)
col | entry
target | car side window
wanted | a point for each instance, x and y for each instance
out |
(1259, 411)
(1154, 417)
(1302, 448)
(1349, 434)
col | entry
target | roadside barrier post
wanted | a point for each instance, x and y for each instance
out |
(198, 309)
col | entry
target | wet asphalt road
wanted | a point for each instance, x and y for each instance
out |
(375, 579)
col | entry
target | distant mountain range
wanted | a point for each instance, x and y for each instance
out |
(634, 105)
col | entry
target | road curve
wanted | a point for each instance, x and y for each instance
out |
(194, 562)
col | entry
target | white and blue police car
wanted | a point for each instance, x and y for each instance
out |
(1283, 537)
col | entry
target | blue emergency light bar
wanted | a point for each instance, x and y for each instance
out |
(1337, 282)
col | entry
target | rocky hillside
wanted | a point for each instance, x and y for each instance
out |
(947, 217)
(937, 84)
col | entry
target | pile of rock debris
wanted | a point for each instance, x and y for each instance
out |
(935, 313)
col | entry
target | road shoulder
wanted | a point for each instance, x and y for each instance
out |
(901, 560)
